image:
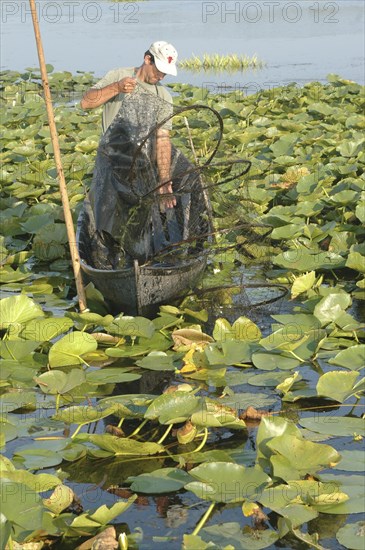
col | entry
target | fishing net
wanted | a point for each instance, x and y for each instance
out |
(125, 210)
(213, 219)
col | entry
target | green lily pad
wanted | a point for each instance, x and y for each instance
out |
(158, 342)
(110, 376)
(122, 447)
(36, 458)
(351, 461)
(131, 326)
(303, 283)
(40, 483)
(20, 505)
(243, 400)
(231, 535)
(295, 456)
(242, 329)
(157, 360)
(16, 311)
(17, 349)
(10, 275)
(334, 425)
(69, 349)
(271, 361)
(82, 415)
(284, 145)
(61, 498)
(337, 385)
(85, 319)
(272, 426)
(104, 515)
(227, 482)
(350, 148)
(59, 382)
(212, 414)
(13, 401)
(356, 261)
(44, 330)
(267, 379)
(230, 352)
(351, 358)
(352, 535)
(171, 408)
(350, 485)
(165, 480)
(331, 307)
(304, 260)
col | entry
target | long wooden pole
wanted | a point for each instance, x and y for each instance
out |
(75, 258)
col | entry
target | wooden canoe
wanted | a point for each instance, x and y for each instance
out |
(139, 289)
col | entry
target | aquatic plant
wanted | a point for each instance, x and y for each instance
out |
(220, 62)
(244, 417)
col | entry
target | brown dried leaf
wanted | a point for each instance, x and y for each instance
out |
(114, 430)
(188, 337)
(120, 491)
(106, 338)
(253, 414)
(103, 541)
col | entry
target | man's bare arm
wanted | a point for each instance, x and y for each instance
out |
(163, 154)
(98, 96)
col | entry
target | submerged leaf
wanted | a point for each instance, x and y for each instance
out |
(165, 480)
(123, 447)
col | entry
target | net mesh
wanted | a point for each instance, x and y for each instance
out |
(125, 209)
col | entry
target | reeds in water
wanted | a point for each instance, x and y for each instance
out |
(218, 62)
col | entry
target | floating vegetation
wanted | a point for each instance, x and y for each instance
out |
(260, 420)
(219, 62)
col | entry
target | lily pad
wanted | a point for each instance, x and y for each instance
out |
(171, 408)
(351, 358)
(16, 311)
(242, 329)
(131, 326)
(334, 425)
(111, 375)
(231, 535)
(122, 447)
(58, 382)
(271, 361)
(295, 455)
(165, 480)
(352, 535)
(68, 350)
(351, 461)
(157, 360)
(227, 482)
(337, 385)
(20, 505)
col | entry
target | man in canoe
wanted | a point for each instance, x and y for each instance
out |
(113, 90)
(139, 200)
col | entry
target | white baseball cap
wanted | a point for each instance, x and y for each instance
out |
(165, 57)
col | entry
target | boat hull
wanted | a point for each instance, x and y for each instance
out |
(140, 290)
(136, 289)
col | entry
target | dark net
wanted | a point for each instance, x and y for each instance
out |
(125, 211)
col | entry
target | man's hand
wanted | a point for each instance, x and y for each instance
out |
(127, 84)
(98, 96)
(168, 200)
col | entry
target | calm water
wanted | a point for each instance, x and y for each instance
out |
(299, 41)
